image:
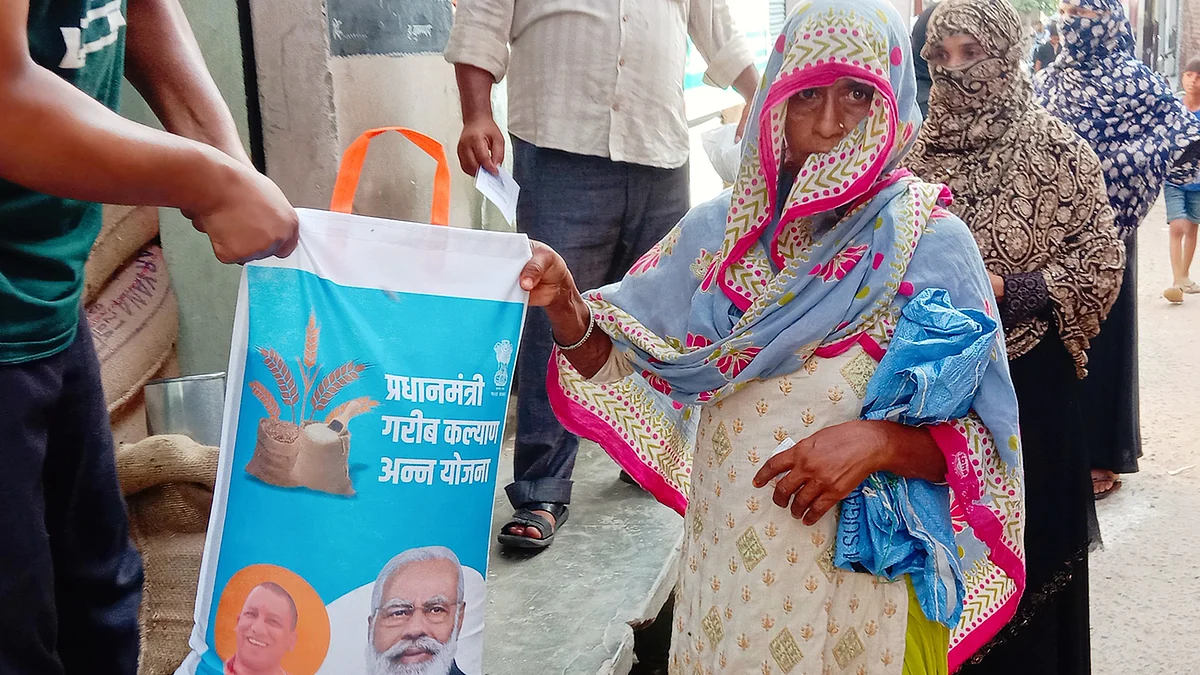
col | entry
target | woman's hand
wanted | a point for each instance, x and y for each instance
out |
(997, 285)
(551, 285)
(547, 278)
(825, 467)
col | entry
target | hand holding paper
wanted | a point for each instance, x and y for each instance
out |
(501, 189)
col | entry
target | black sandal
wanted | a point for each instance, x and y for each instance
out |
(525, 517)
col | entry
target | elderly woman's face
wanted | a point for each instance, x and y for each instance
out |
(957, 52)
(819, 118)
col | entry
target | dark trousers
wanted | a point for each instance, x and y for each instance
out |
(601, 216)
(70, 579)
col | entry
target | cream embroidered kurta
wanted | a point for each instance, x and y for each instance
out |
(758, 592)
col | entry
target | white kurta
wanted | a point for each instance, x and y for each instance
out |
(758, 592)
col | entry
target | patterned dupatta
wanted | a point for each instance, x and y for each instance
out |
(1122, 108)
(741, 291)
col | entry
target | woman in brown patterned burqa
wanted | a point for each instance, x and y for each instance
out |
(1033, 194)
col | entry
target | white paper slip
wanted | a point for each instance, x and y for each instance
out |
(502, 190)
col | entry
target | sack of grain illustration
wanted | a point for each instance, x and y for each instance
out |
(311, 447)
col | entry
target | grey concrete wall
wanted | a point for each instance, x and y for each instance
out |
(1189, 32)
(291, 51)
(207, 289)
(415, 91)
(315, 104)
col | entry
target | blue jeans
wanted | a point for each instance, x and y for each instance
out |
(70, 579)
(600, 216)
(1182, 204)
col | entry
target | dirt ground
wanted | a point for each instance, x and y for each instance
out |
(1146, 581)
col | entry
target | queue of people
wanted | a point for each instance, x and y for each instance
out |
(727, 371)
(723, 356)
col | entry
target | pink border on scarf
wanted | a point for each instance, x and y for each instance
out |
(819, 75)
(869, 344)
(988, 529)
(577, 419)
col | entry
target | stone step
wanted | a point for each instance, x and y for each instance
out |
(571, 609)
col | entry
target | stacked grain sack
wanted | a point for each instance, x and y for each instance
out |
(132, 312)
(167, 480)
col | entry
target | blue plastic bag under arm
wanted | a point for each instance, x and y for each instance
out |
(891, 526)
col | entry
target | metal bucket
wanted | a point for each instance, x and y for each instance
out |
(191, 406)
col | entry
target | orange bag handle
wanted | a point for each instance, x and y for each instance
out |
(352, 165)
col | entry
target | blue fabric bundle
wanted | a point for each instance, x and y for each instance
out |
(891, 526)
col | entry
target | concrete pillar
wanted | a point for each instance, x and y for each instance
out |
(329, 70)
(1189, 32)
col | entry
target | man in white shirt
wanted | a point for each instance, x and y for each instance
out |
(601, 145)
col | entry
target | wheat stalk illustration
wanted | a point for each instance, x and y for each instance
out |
(308, 365)
(283, 378)
(312, 336)
(266, 398)
(329, 387)
(352, 408)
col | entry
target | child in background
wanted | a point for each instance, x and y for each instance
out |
(1183, 205)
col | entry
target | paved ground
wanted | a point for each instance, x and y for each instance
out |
(1146, 581)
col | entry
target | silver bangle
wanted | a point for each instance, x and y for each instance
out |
(570, 348)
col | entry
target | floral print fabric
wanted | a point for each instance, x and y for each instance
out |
(1030, 190)
(1125, 111)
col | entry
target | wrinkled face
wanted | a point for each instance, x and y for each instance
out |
(418, 616)
(819, 118)
(265, 630)
(957, 52)
(1076, 11)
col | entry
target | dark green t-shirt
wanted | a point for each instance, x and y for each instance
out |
(45, 241)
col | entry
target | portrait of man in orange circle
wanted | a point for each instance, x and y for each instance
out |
(417, 614)
(266, 632)
(270, 621)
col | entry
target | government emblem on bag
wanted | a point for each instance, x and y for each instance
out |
(504, 352)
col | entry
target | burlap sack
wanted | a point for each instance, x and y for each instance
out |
(135, 323)
(129, 421)
(275, 453)
(126, 230)
(168, 485)
(323, 463)
(313, 456)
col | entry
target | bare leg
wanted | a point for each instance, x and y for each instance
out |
(1182, 250)
(1179, 270)
(1189, 248)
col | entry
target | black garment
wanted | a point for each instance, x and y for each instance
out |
(1109, 396)
(924, 81)
(454, 670)
(1050, 633)
(1045, 55)
(70, 579)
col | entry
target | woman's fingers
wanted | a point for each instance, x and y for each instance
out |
(787, 486)
(811, 491)
(819, 508)
(535, 270)
(776, 465)
(531, 275)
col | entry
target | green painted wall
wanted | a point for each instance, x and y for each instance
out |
(207, 290)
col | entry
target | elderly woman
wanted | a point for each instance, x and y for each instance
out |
(1033, 194)
(727, 373)
(1129, 116)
